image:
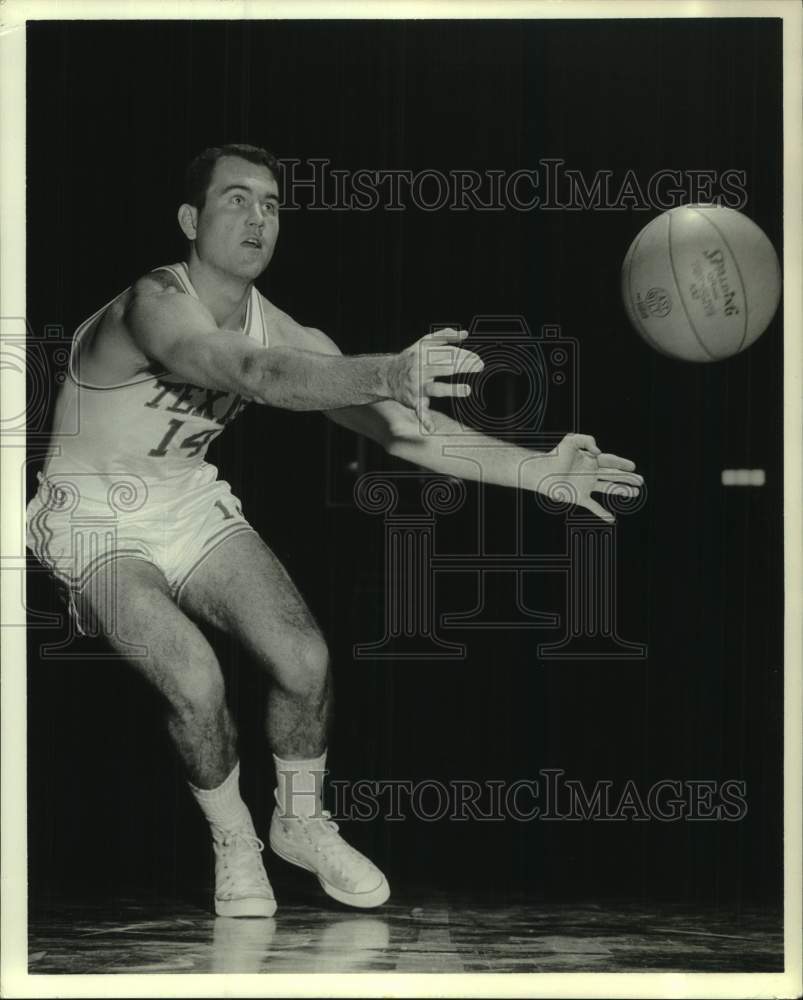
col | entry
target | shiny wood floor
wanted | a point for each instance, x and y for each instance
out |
(413, 933)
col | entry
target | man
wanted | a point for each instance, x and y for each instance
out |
(154, 376)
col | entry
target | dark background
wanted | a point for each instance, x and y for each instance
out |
(114, 112)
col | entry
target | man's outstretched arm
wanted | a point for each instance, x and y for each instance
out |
(178, 331)
(575, 469)
(427, 438)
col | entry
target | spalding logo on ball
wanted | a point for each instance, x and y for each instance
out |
(701, 282)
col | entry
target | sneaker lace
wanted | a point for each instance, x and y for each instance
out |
(238, 858)
(322, 832)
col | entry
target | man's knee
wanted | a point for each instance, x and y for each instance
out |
(197, 689)
(303, 668)
(177, 659)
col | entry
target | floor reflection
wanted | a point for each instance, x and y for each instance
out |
(241, 944)
(341, 944)
(416, 932)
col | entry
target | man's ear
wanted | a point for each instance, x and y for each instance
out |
(188, 220)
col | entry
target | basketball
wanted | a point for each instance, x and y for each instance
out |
(701, 282)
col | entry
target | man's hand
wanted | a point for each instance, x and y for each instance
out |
(412, 374)
(577, 468)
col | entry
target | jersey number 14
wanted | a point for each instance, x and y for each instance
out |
(196, 442)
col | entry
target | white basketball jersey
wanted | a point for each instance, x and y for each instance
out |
(155, 426)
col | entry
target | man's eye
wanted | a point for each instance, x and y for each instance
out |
(237, 199)
(272, 207)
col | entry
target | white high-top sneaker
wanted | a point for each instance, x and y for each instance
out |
(242, 888)
(314, 844)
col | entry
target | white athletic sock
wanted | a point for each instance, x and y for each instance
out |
(299, 786)
(223, 806)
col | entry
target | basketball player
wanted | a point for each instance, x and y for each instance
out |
(154, 376)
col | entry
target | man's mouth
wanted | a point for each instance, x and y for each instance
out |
(252, 241)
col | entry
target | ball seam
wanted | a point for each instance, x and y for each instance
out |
(738, 271)
(692, 327)
(634, 311)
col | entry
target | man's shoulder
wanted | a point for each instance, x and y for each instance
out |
(161, 279)
(107, 349)
(285, 331)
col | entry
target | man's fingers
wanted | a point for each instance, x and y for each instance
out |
(586, 443)
(600, 511)
(447, 335)
(451, 360)
(616, 462)
(609, 475)
(453, 389)
(424, 415)
(616, 489)
(468, 361)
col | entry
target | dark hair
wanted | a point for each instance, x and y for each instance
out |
(199, 172)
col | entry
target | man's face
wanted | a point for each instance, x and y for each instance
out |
(237, 228)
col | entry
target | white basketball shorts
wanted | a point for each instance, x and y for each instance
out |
(78, 523)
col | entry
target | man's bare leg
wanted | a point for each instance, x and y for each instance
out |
(179, 663)
(182, 666)
(243, 589)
